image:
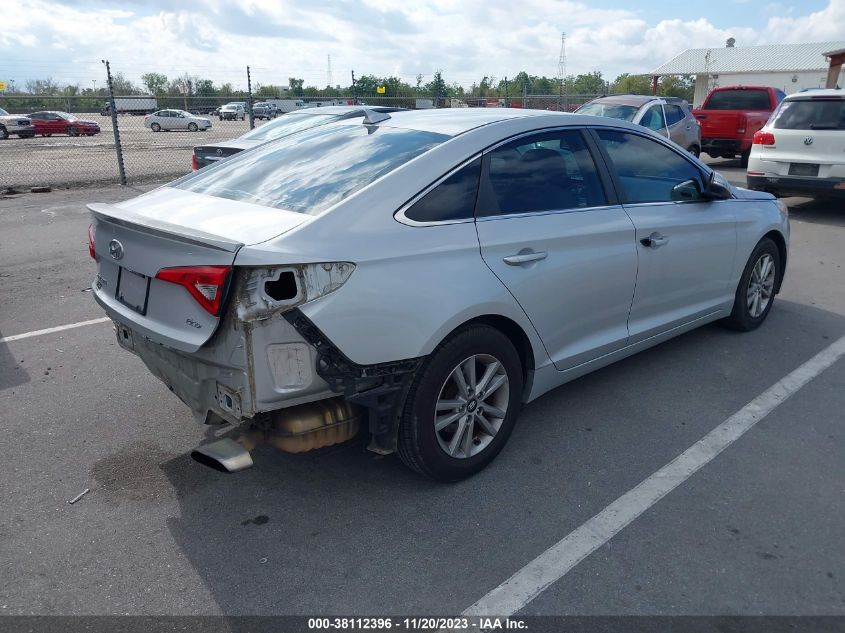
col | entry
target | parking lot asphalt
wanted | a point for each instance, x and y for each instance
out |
(84, 159)
(758, 530)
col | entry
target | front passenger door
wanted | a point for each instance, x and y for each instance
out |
(559, 242)
(685, 244)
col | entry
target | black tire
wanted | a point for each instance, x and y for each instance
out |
(743, 157)
(4, 133)
(155, 127)
(694, 150)
(741, 318)
(72, 131)
(418, 444)
(192, 127)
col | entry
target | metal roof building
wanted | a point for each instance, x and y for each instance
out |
(790, 67)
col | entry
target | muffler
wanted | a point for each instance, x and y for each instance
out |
(298, 429)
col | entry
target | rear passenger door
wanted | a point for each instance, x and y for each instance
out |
(686, 244)
(557, 239)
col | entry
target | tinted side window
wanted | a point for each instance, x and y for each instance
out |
(653, 118)
(552, 171)
(674, 114)
(739, 100)
(452, 199)
(649, 171)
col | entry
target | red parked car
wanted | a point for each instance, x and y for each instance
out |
(49, 122)
(731, 115)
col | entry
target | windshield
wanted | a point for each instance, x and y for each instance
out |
(312, 171)
(3, 112)
(815, 114)
(289, 124)
(610, 110)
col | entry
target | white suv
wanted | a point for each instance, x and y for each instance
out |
(801, 149)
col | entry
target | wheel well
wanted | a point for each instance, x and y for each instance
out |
(513, 331)
(780, 242)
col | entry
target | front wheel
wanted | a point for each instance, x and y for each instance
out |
(72, 131)
(694, 150)
(462, 405)
(4, 133)
(192, 127)
(756, 291)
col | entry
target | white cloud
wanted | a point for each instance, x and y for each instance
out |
(465, 38)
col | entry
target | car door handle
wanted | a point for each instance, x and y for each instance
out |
(525, 258)
(655, 240)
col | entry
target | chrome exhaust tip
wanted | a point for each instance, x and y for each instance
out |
(225, 455)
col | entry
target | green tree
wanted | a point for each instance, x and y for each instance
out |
(42, 86)
(205, 88)
(155, 83)
(677, 86)
(631, 84)
(121, 85)
(296, 86)
(437, 86)
(588, 84)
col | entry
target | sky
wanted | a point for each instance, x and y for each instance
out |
(466, 39)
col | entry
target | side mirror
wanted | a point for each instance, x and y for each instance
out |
(717, 188)
(686, 191)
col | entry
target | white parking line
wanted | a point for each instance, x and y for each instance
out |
(527, 583)
(52, 330)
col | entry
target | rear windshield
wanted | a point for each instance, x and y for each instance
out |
(739, 100)
(289, 124)
(815, 114)
(610, 110)
(312, 171)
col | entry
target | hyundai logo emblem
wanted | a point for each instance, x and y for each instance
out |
(808, 140)
(115, 249)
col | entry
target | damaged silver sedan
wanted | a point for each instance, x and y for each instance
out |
(419, 275)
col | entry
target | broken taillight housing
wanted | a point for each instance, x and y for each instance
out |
(91, 250)
(206, 284)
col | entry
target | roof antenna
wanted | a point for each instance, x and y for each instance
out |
(371, 117)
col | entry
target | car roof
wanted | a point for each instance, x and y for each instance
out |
(454, 121)
(631, 100)
(807, 95)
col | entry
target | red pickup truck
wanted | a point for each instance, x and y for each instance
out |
(731, 115)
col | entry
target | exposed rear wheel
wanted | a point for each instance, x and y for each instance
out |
(72, 131)
(756, 291)
(155, 127)
(4, 133)
(462, 405)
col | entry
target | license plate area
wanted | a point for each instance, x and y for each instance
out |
(803, 169)
(133, 290)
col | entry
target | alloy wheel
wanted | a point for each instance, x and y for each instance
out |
(761, 285)
(471, 406)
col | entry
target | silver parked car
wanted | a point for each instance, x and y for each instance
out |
(421, 275)
(168, 120)
(668, 116)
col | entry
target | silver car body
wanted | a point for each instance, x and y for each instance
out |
(582, 292)
(669, 117)
(176, 120)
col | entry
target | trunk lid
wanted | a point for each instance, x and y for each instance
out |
(719, 123)
(210, 154)
(170, 228)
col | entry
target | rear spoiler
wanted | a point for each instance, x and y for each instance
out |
(116, 215)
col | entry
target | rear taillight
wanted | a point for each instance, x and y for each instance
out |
(763, 138)
(205, 283)
(194, 163)
(91, 250)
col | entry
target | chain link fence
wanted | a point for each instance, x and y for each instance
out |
(107, 137)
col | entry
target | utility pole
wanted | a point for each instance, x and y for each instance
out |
(120, 167)
(506, 92)
(354, 98)
(188, 95)
(561, 67)
(328, 71)
(249, 99)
